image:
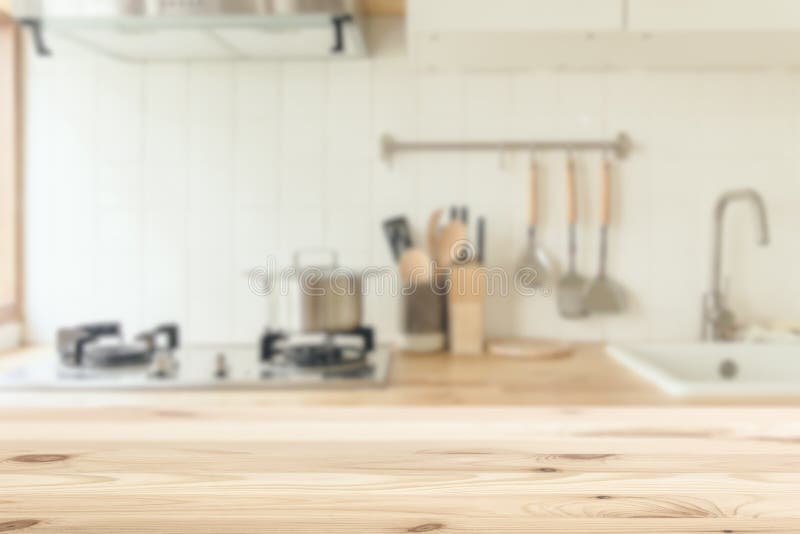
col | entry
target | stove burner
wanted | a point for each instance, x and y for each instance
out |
(314, 355)
(116, 356)
(329, 350)
(100, 345)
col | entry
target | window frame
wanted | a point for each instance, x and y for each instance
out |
(11, 136)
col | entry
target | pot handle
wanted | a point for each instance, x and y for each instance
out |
(333, 256)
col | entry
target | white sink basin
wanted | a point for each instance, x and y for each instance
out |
(715, 369)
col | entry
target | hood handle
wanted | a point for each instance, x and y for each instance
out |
(338, 32)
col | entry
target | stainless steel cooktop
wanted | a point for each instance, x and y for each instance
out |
(200, 367)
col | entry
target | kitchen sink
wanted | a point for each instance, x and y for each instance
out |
(715, 369)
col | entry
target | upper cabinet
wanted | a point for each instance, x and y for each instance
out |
(514, 15)
(509, 34)
(713, 15)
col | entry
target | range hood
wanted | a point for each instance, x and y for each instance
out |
(169, 30)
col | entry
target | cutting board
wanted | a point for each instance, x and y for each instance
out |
(530, 348)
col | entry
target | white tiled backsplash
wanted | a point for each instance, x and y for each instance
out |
(152, 188)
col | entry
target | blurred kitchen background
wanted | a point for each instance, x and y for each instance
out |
(151, 187)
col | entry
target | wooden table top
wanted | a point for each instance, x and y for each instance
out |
(400, 469)
(450, 446)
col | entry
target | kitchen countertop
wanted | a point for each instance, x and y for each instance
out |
(586, 377)
(480, 444)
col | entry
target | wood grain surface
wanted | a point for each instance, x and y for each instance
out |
(100, 469)
(474, 444)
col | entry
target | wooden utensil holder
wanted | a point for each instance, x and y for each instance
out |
(466, 309)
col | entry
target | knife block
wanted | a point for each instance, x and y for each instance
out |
(466, 309)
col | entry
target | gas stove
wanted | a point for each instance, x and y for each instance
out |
(96, 356)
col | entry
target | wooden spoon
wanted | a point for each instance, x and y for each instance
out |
(453, 236)
(414, 266)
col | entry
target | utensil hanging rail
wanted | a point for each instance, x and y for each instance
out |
(619, 146)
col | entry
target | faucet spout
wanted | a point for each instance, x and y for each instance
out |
(762, 227)
(718, 322)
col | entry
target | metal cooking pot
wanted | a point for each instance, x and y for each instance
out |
(319, 297)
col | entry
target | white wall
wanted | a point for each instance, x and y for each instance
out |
(151, 188)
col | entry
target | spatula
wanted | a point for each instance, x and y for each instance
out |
(398, 233)
(603, 294)
(572, 285)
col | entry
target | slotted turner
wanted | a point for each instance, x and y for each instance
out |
(603, 294)
(572, 286)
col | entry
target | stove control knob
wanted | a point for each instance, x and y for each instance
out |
(221, 366)
(164, 364)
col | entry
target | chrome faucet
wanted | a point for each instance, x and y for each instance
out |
(719, 323)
